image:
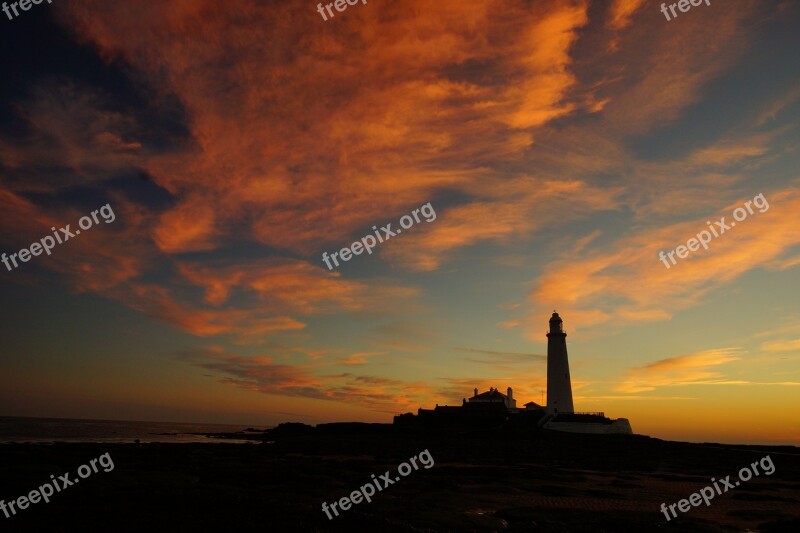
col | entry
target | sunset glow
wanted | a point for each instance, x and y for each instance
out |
(562, 144)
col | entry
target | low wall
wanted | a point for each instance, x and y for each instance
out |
(620, 426)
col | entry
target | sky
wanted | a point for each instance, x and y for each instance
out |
(558, 146)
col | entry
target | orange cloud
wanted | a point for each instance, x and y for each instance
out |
(544, 54)
(300, 140)
(158, 302)
(358, 358)
(190, 227)
(517, 209)
(677, 371)
(621, 13)
(97, 260)
(293, 286)
(604, 285)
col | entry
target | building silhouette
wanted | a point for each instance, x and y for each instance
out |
(495, 396)
(495, 409)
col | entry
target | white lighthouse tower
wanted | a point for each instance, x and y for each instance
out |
(559, 386)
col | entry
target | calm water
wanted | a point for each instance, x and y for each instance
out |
(15, 429)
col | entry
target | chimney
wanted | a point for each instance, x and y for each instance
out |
(509, 393)
(476, 391)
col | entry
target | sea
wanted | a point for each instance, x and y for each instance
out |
(51, 430)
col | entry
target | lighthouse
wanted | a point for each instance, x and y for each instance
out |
(559, 386)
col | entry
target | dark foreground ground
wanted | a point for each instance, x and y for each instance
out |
(482, 481)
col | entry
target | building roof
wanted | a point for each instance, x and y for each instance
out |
(491, 394)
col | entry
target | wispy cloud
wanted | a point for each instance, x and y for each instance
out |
(692, 369)
(781, 346)
(509, 355)
(634, 397)
(603, 285)
(359, 358)
(262, 374)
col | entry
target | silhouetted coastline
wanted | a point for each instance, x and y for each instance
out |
(484, 479)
